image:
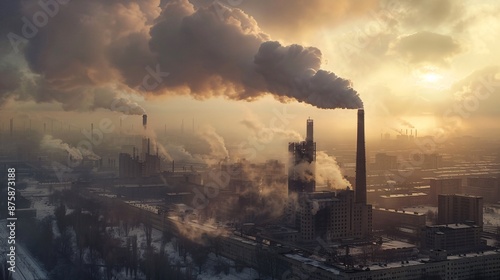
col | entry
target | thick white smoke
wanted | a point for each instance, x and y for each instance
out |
(325, 171)
(48, 142)
(328, 172)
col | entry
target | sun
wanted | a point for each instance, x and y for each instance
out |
(431, 77)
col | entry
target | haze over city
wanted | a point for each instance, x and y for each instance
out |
(227, 138)
(410, 61)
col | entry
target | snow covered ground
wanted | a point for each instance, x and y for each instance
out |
(27, 267)
(39, 196)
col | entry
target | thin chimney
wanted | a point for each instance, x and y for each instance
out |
(360, 190)
(145, 121)
(310, 130)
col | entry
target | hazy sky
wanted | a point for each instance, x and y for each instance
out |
(431, 64)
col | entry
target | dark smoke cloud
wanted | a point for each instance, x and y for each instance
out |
(294, 72)
(74, 53)
(92, 52)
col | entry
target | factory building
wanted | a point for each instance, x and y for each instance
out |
(301, 169)
(329, 215)
(133, 166)
(333, 216)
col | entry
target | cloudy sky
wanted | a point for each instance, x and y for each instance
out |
(237, 65)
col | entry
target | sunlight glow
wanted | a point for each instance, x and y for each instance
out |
(431, 77)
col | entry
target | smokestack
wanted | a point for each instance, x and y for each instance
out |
(145, 121)
(360, 190)
(310, 130)
(11, 127)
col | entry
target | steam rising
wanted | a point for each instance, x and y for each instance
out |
(216, 143)
(406, 123)
(327, 171)
(48, 142)
(267, 133)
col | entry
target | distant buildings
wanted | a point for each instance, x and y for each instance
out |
(454, 208)
(384, 161)
(454, 238)
(444, 186)
(405, 223)
(487, 187)
(399, 201)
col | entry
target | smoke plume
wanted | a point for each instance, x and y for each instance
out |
(90, 52)
(216, 143)
(48, 142)
(325, 171)
(406, 123)
(266, 134)
(260, 189)
(328, 172)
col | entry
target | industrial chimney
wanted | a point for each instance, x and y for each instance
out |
(360, 190)
(145, 121)
(310, 130)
